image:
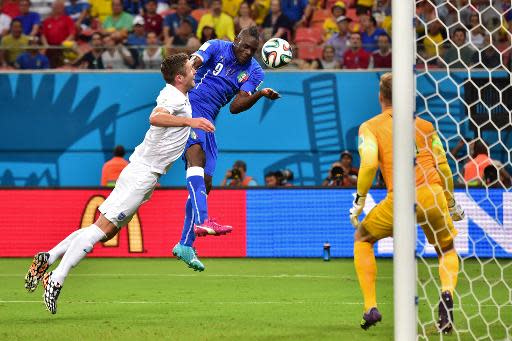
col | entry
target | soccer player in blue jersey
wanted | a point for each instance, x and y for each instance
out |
(224, 70)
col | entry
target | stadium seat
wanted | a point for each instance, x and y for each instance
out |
(308, 35)
(351, 13)
(319, 17)
(330, 3)
(198, 13)
(309, 51)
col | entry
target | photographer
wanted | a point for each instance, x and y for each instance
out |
(280, 178)
(271, 179)
(237, 176)
(342, 173)
(284, 177)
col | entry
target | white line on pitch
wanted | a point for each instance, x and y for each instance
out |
(223, 303)
(204, 275)
(192, 302)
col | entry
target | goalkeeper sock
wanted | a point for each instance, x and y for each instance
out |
(449, 270)
(59, 249)
(188, 236)
(366, 269)
(81, 245)
(197, 192)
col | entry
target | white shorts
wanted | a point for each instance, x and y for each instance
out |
(133, 188)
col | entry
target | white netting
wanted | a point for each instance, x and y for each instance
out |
(464, 89)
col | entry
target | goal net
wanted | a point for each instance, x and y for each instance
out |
(463, 87)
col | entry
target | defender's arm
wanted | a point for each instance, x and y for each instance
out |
(161, 117)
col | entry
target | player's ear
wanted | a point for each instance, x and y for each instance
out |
(179, 78)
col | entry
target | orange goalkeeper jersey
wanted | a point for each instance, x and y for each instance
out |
(376, 147)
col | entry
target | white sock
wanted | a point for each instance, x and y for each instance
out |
(80, 246)
(59, 249)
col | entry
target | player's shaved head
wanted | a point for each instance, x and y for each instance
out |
(172, 66)
(386, 87)
(246, 44)
(251, 32)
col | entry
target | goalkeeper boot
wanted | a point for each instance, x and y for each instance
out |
(51, 293)
(445, 322)
(36, 271)
(212, 228)
(188, 255)
(371, 318)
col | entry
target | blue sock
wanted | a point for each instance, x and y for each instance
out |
(197, 192)
(188, 236)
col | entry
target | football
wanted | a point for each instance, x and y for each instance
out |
(276, 53)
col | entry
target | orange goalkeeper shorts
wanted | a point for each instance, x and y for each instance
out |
(431, 214)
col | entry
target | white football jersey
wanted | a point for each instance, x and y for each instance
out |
(163, 145)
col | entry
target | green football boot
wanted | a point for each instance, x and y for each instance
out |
(189, 256)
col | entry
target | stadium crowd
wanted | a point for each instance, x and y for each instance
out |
(326, 34)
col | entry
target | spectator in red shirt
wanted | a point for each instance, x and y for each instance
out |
(56, 29)
(11, 8)
(152, 21)
(356, 57)
(381, 59)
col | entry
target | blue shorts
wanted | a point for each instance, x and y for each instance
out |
(209, 146)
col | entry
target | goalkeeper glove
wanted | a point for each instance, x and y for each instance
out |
(357, 209)
(456, 211)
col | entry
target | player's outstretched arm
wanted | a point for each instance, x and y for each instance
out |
(161, 117)
(244, 100)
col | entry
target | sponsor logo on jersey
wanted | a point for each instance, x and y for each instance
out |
(242, 77)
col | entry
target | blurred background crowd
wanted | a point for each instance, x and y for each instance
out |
(326, 34)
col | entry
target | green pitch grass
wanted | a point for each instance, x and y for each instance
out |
(234, 299)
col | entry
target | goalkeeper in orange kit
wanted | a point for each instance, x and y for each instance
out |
(435, 209)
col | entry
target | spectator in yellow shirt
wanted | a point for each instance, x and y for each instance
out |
(13, 44)
(221, 22)
(101, 9)
(433, 41)
(364, 6)
(231, 7)
(330, 26)
(260, 9)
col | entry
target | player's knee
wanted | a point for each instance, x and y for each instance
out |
(108, 228)
(361, 235)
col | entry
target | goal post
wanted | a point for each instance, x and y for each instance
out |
(452, 63)
(404, 218)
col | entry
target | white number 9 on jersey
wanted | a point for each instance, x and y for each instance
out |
(218, 69)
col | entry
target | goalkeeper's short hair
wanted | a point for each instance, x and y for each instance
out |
(386, 85)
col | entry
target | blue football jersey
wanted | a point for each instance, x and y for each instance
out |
(220, 77)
